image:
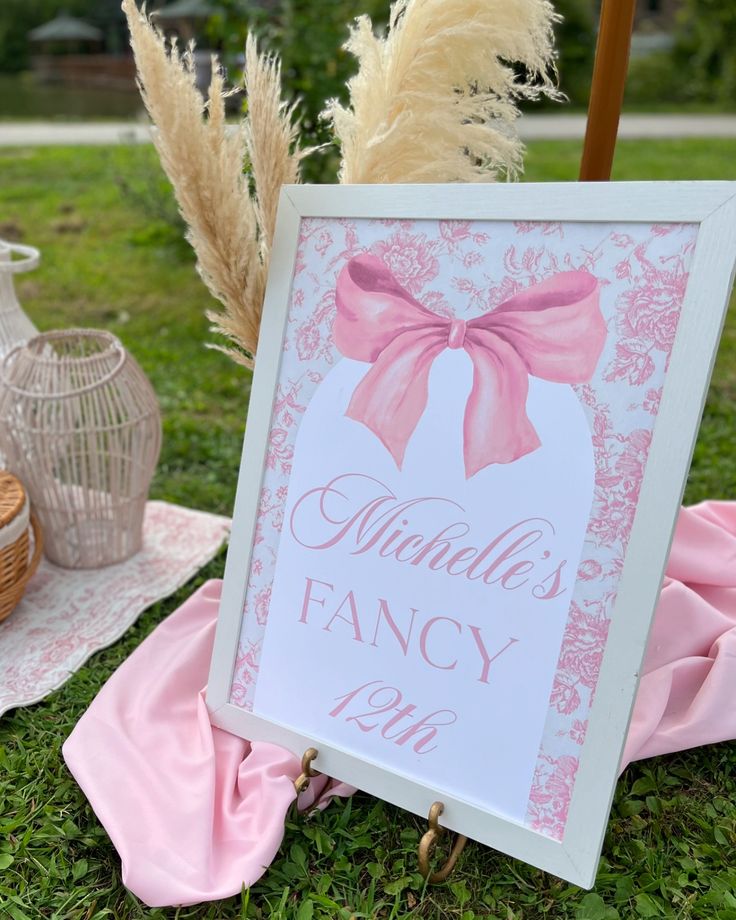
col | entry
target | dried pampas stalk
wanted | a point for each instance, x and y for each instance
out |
(229, 229)
(435, 100)
(271, 136)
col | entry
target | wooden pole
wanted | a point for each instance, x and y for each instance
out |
(607, 89)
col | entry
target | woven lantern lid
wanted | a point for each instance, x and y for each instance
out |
(12, 498)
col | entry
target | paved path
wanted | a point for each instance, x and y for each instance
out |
(632, 127)
(532, 127)
(43, 133)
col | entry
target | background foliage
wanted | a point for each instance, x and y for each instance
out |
(309, 38)
(698, 71)
(576, 36)
(18, 17)
(706, 50)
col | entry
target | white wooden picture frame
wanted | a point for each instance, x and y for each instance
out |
(663, 256)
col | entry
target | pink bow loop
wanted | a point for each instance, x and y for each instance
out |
(553, 330)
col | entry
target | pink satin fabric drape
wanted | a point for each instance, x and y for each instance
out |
(688, 686)
(196, 813)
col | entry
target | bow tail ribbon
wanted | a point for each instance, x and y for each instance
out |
(392, 396)
(496, 428)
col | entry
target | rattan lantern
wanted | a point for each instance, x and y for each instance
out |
(15, 327)
(83, 431)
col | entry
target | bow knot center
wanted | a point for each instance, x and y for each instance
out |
(456, 333)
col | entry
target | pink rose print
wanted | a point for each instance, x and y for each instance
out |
(652, 400)
(623, 269)
(549, 801)
(307, 340)
(565, 697)
(238, 693)
(612, 519)
(630, 464)
(622, 240)
(412, 259)
(324, 242)
(280, 453)
(277, 521)
(270, 513)
(263, 602)
(436, 302)
(632, 363)
(314, 336)
(472, 258)
(246, 670)
(548, 228)
(582, 646)
(454, 232)
(648, 313)
(665, 329)
(504, 291)
(578, 731)
(589, 569)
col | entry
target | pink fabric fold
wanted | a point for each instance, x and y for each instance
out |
(688, 685)
(553, 330)
(196, 813)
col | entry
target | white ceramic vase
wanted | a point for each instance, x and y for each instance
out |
(15, 327)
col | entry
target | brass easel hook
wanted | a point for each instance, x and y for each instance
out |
(429, 841)
(302, 781)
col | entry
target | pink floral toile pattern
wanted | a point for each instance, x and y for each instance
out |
(463, 269)
(66, 615)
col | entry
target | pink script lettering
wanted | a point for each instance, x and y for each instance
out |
(365, 516)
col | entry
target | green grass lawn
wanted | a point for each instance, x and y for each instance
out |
(113, 258)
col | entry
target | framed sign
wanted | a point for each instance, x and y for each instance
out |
(471, 421)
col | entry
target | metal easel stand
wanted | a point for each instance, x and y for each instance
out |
(426, 844)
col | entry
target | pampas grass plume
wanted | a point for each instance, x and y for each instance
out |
(435, 100)
(230, 229)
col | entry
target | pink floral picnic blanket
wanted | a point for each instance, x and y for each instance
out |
(67, 615)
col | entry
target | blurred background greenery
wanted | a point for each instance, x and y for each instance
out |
(683, 56)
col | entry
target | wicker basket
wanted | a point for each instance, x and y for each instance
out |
(17, 565)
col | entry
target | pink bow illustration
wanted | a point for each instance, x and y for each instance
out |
(553, 330)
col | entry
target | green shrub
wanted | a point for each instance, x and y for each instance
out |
(576, 36)
(309, 37)
(705, 51)
(653, 80)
